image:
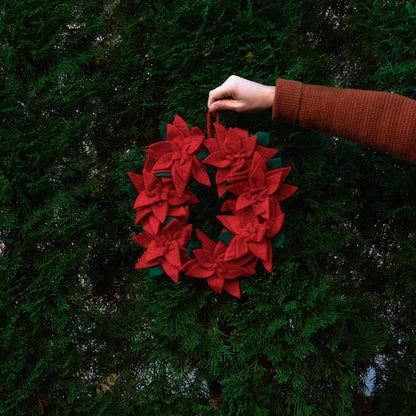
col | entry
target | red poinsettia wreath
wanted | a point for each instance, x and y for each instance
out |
(250, 182)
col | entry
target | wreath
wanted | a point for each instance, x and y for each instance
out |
(250, 183)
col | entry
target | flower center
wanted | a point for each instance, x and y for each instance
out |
(257, 194)
(254, 232)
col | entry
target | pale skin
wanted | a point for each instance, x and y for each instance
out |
(241, 95)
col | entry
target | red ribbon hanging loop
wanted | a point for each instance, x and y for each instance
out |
(209, 135)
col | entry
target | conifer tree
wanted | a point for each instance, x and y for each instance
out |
(85, 86)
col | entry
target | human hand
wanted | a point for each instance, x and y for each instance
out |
(242, 95)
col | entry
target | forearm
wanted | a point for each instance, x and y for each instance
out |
(380, 120)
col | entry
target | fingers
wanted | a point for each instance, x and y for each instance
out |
(224, 104)
(226, 90)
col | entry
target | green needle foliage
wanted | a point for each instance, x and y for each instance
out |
(84, 88)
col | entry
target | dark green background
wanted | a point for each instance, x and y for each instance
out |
(84, 88)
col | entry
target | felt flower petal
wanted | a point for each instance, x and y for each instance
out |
(268, 262)
(249, 143)
(178, 180)
(171, 270)
(145, 199)
(196, 131)
(148, 164)
(211, 145)
(204, 257)
(192, 144)
(220, 132)
(173, 133)
(232, 223)
(232, 271)
(144, 263)
(222, 175)
(233, 288)
(154, 224)
(196, 270)
(237, 248)
(272, 181)
(142, 213)
(155, 251)
(260, 249)
(157, 150)
(217, 159)
(262, 208)
(143, 239)
(275, 224)
(285, 191)
(199, 173)
(178, 212)
(243, 201)
(266, 153)
(160, 209)
(184, 235)
(207, 243)
(181, 125)
(239, 187)
(183, 169)
(216, 284)
(188, 264)
(285, 172)
(275, 208)
(164, 164)
(229, 205)
(137, 181)
(173, 256)
(258, 171)
(248, 269)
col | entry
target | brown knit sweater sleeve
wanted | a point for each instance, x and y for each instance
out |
(384, 121)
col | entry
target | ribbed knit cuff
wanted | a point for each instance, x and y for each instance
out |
(287, 100)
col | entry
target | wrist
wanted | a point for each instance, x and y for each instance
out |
(269, 96)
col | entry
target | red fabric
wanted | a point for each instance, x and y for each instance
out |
(158, 199)
(253, 199)
(251, 236)
(231, 151)
(177, 155)
(167, 248)
(259, 187)
(380, 120)
(221, 274)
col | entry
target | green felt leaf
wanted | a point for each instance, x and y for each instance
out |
(164, 130)
(156, 271)
(168, 220)
(226, 237)
(274, 163)
(263, 138)
(131, 191)
(193, 245)
(203, 154)
(278, 240)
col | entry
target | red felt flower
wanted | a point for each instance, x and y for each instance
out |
(166, 248)
(251, 236)
(158, 199)
(260, 185)
(210, 264)
(177, 155)
(231, 151)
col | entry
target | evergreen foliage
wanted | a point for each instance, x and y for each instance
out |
(85, 86)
